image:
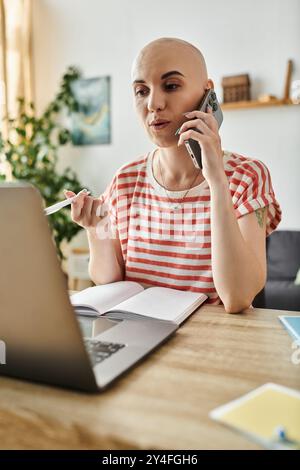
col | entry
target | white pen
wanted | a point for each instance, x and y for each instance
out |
(59, 205)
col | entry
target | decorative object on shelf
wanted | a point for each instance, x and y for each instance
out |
(90, 124)
(295, 92)
(267, 98)
(31, 151)
(236, 88)
(287, 82)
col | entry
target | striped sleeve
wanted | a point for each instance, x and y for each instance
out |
(251, 189)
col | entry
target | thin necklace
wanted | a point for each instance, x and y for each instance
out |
(178, 204)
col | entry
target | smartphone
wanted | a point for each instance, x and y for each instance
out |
(192, 146)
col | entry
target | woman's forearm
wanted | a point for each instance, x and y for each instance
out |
(237, 274)
(106, 263)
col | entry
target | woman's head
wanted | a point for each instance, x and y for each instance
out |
(162, 95)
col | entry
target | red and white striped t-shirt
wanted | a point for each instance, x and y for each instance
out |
(169, 245)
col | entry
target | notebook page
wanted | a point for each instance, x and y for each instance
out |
(163, 303)
(104, 297)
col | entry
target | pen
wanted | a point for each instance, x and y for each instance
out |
(283, 441)
(59, 205)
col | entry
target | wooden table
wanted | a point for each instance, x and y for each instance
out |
(164, 402)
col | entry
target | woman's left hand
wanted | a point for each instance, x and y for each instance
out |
(209, 141)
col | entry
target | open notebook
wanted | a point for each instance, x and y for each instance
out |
(127, 300)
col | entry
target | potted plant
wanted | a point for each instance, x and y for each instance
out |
(31, 150)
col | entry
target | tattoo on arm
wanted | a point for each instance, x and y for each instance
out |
(260, 216)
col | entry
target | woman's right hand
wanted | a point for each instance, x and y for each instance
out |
(86, 210)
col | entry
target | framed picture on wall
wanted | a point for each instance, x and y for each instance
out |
(91, 125)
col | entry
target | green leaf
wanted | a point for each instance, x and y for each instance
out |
(21, 131)
(34, 156)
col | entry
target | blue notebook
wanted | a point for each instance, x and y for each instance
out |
(292, 324)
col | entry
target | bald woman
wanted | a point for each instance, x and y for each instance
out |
(164, 222)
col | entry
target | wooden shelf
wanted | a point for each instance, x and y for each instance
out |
(80, 251)
(256, 104)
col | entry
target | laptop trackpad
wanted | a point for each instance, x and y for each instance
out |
(91, 327)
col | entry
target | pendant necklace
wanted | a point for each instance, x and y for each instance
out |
(178, 204)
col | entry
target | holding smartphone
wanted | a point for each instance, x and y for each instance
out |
(192, 146)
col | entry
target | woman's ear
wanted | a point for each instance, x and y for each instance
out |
(210, 85)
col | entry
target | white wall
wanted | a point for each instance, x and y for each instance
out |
(236, 36)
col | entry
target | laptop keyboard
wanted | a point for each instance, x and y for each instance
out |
(101, 350)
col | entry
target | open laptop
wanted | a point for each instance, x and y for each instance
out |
(41, 332)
